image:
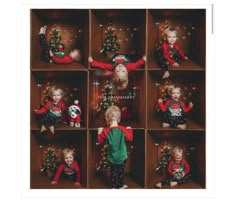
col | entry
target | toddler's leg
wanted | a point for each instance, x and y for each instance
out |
(51, 128)
(173, 183)
(114, 173)
(164, 125)
(121, 175)
(43, 128)
(181, 126)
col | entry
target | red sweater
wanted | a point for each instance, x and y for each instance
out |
(164, 107)
(167, 52)
(57, 107)
(172, 166)
(73, 168)
(129, 66)
(65, 59)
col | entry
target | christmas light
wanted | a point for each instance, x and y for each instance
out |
(157, 23)
(39, 85)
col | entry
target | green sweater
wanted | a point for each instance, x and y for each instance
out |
(116, 137)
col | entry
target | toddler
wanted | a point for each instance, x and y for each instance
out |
(70, 168)
(170, 52)
(52, 111)
(174, 109)
(47, 54)
(121, 66)
(117, 152)
(178, 169)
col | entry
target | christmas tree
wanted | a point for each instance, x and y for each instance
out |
(103, 164)
(108, 98)
(110, 41)
(49, 165)
(55, 41)
(46, 95)
(165, 157)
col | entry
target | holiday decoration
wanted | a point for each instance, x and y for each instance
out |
(110, 43)
(125, 114)
(103, 164)
(49, 165)
(45, 94)
(165, 157)
(74, 112)
(108, 98)
(56, 41)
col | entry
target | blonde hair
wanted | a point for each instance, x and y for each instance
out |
(169, 29)
(113, 113)
(53, 89)
(171, 88)
(78, 56)
(66, 151)
(177, 152)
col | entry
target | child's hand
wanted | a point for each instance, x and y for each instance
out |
(190, 104)
(185, 57)
(90, 59)
(160, 100)
(128, 127)
(77, 184)
(50, 53)
(145, 58)
(183, 174)
(54, 182)
(60, 46)
(100, 129)
(166, 75)
(176, 64)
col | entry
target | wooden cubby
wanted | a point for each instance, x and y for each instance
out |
(138, 32)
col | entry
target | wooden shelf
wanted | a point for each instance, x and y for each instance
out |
(138, 32)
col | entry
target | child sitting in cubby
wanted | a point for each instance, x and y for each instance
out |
(170, 52)
(121, 66)
(53, 111)
(69, 168)
(174, 109)
(47, 54)
(178, 169)
(117, 150)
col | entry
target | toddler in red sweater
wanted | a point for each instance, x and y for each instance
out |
(48, 55)
(53, 111)
(170, 52)
(121, 66)
(69, 168)
(178, 169)
(174, 109)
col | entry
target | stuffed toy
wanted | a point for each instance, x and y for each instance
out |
(74, 112)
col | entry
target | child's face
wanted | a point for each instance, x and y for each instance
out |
(175, 95)
(121, 72)
(74, 54)
(68, 158)
(178, 158)
(171, 37)
(56, 96)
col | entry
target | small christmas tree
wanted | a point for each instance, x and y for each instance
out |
(49, 165)
(103, 164)
(165, 157)
(110, 41)
(108, 98)
(55, 41)
(46, 95)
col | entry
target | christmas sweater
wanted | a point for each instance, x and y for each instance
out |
(108, 66)
(182, 166)
(174, 108)
(55, 109)
(168, 51)
(116, 137)
(68, 170)
(64, 59)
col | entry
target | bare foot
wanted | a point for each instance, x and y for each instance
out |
(172, 184)
(43, 128)
(165, 125)
(182, 126)
(166, 75)
(51, 128)
(158, 185)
